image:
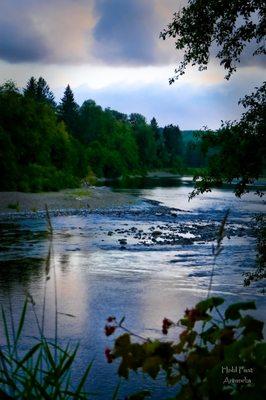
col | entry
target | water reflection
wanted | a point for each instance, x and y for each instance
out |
(145, 182)
(20, 272)
(96, 278)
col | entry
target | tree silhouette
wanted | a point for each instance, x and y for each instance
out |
(68, 111)
(39, 91)
(223, 27)
(44, 93)
(226, 27)
(31, 88)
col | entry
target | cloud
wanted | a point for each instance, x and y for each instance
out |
(190, 109)
(57, 31)
(247, 58)
(127, 31)
(95, 31)
(98, 32)
(186, 104)
(19, 40)
(20, 46)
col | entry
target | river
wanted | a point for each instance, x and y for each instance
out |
(145, 262)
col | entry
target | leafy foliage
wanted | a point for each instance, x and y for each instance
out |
(37, 152)
(259, 272)
(50, 147)
(237, 150)
(210, 343)
(226, 30)
(230, 26)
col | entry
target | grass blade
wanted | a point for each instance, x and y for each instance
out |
(84, 378)
(21, 323)
(27, 356)
(115, 394)
(6, 330)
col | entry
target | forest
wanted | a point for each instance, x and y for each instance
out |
(48, 146)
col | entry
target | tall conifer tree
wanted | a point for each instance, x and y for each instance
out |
(31, 88)
(68, 111)
(39, 91)
(44, 93)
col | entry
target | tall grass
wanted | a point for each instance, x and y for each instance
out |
(45, 370)
(37, 373)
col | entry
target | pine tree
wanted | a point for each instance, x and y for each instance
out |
(31, 88)
(39, 91)
(155, 129)
(44, 93)
(68, 111)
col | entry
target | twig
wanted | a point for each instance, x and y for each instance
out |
(217, 250)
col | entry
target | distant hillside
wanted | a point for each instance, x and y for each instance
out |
(188, 136)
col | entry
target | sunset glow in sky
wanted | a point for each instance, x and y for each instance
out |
(110, 51)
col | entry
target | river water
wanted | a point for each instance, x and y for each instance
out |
(145, 262)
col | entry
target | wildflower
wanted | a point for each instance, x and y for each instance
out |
(193, 315)
(109, 330)
(111, 319)
(166, 325)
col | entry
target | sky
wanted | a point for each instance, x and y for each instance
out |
(110, 51)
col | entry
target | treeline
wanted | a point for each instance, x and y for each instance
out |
(49, 146)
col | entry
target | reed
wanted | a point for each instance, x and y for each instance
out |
(45, 370)
(36, 373)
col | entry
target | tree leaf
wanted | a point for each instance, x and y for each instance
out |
(232, 312)
(252, 326)
(152, 366)
(208, 304)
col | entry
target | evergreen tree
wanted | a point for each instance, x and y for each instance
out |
(44, 93)
(68, 111)
(156, 129)
(31, 88)
(39, 91)
(44, 148)
(162, 156)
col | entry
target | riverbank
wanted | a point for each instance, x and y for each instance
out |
(86, 198)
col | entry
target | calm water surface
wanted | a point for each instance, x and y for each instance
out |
(97, 278)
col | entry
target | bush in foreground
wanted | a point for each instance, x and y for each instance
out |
(217, 356)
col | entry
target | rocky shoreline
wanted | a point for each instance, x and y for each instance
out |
(141, 222)
(70, 200)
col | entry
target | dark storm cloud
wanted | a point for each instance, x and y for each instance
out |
(113, 32)
(50, 31)
(19, 39)
(127, 31)
(17, 45)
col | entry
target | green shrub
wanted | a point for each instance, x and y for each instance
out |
(37, 178)
(217, 355)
